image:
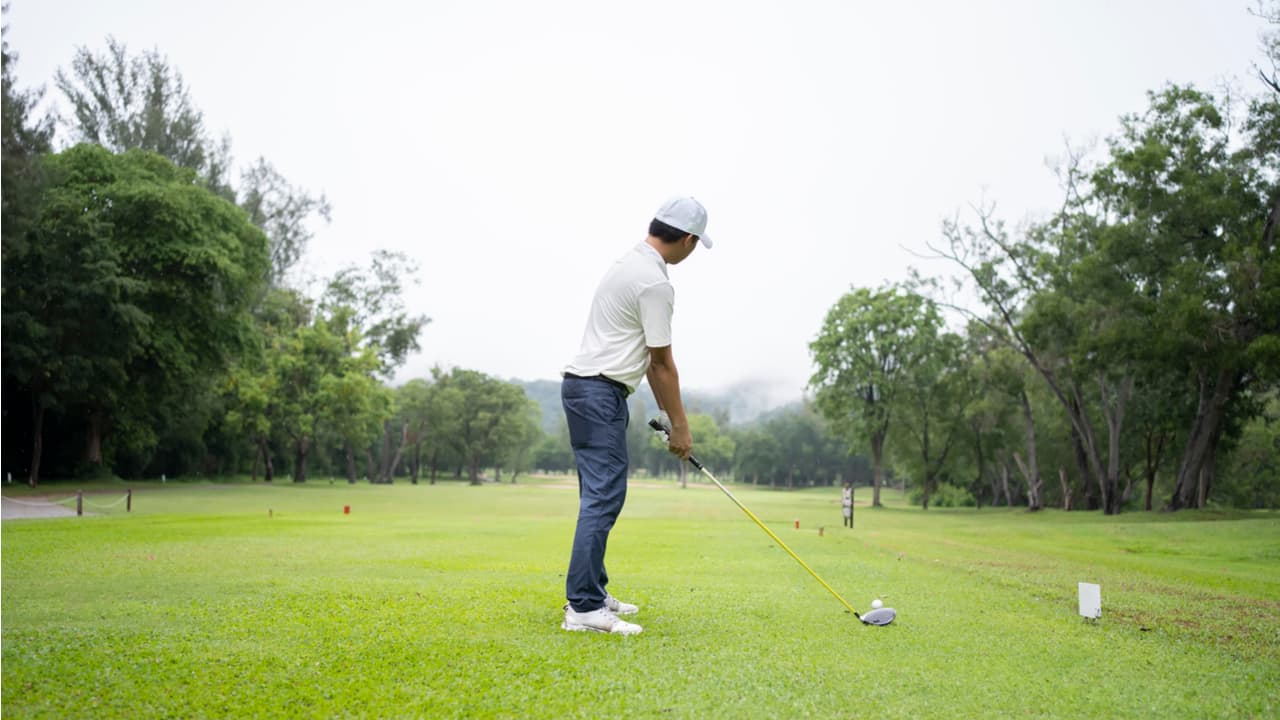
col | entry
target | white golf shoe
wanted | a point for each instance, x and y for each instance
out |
(602, 620)
(618, 607)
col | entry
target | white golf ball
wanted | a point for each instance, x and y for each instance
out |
(876, 604)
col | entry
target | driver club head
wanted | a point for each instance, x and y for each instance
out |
(879, 616)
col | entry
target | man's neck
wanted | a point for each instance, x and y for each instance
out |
(664, 249)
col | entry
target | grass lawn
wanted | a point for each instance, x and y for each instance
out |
(249, 600)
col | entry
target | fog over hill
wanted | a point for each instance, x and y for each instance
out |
(743, 402)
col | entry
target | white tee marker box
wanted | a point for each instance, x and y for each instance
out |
(1090, 600)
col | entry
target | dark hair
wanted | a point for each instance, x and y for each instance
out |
(665, 232)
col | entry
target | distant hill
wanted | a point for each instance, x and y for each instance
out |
(743, 403)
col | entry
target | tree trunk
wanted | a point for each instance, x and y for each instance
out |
(1033, 484)
(417, 462)
(1087, 483)
(1206, 478)
(1113, 405)
(37, 437)
(301, 448)
(384, 471)
(518, 463)
(1066, 488)
(269, 471)
(1004, 481)
(1152, 461)
(93, 439)
(257, 460)
(371, 469)
(389, 470)
(684, 475)
(351, 462)
(1205, 430)
(977, 482)
(473, 469)
(1031, 469)
(877, 468)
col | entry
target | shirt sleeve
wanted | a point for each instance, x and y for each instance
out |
(657, 303)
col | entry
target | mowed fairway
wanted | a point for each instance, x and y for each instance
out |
(444, 601)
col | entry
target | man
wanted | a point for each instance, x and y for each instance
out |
(846, 503)
(628, 338)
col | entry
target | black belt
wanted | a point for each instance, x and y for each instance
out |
(621, 386)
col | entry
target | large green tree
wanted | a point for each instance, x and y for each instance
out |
(125, 101)
(1192, 209)
(483, 417)
(867, 341)
(129, 293)
(931, 404)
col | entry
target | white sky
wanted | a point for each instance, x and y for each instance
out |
(515, 149)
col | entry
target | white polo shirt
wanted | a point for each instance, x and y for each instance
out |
(631, 313)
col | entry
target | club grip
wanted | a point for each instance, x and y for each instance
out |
(653, 423)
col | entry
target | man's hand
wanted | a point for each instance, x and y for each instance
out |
(680, 447)
(680, 442)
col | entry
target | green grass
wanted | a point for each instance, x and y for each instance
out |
(444, 601)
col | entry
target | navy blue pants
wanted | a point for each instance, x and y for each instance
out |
(597, 414)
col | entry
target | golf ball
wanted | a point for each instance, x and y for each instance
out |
(876, 604)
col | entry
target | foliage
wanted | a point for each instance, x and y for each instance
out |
(792, 450)
(127, 102)
(140, 103)
(1250, 470)
(129, 292)
(282, 211)
(943, 495)
(867, 342)
(370, 301)
(480, 418)
(1171, 239)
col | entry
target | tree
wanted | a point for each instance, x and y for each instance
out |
(300, 363)
(443, 422)
(524, 433)
(866, 341)
(1270, 76)
(130, 294)
(370, 302)
(1249, 472)
(930, 405)
(1192, 220)
(282, 211)
(23, 140)
(480, 417)
(354, 404)
(127, 103)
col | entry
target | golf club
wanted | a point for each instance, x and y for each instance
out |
(879, 616)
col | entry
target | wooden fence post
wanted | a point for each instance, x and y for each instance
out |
(79, 503)
(128, 501)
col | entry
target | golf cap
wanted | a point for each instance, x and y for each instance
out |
(687, 215)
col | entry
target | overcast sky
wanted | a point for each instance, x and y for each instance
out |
(515, 149)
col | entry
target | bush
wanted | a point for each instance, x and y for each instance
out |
(946, 495)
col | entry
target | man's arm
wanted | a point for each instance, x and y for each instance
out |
(664, 379)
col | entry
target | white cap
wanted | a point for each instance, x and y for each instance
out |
(687, 215)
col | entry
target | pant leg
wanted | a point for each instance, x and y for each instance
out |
(597, 416)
